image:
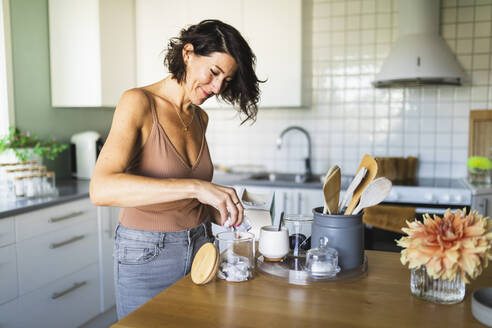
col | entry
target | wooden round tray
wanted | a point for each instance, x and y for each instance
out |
(292, 270)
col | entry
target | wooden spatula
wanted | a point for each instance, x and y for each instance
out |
(347, 197)
(331, 190)
(372, 169)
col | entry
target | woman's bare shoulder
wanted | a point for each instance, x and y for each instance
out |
(134, 104)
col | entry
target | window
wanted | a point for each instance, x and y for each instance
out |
(6, 94)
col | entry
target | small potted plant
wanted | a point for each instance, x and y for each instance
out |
(445, 253)
(26, 146)
(479, 170)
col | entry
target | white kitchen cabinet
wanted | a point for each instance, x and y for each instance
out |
(92, 51)
(483, 204)
(272, 28)
(53, 218)
(8, 274)
(49, 269)
(7, 232)
(107, 221)
(66, 302)
(50, 256)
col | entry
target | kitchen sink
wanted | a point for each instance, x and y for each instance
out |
(284, 177)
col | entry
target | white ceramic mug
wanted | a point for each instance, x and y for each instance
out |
(274, 244)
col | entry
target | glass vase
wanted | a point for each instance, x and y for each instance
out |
(480, 177)
(436, 290)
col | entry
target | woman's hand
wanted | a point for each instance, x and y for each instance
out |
(224, 201)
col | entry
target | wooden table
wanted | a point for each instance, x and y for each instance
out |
(380, 299)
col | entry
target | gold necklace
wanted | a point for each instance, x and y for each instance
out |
(185, 126)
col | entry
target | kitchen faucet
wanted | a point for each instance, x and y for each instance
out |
(307, 161)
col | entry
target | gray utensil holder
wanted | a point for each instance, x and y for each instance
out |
(345, 234)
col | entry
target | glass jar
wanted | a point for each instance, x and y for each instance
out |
(300, 228)
(4, 184)
(236, 255)
(36, 181)
(29, 189)
(480, 177)
(436, 290)
(10, 179)
(43, 184)
(51, 184)
(19, 186)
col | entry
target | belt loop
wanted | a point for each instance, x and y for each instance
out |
(205, 230)
(161, 240)
(188, 233)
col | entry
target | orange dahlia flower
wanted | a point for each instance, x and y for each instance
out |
(457, 243)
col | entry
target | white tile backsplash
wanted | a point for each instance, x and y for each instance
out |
(483, 13)
(348, 117)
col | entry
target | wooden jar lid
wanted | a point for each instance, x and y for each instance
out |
(205, 264)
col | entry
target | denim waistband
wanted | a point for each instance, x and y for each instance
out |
(161, 236)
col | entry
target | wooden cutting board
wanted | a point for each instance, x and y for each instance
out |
(480, 133)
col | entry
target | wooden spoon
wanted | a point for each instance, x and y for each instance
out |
(374, 194)
(331, 190)
(372, 169)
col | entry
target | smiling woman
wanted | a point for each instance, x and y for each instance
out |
(216, 41)
(157, 166)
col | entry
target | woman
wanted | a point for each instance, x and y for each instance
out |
(155, 163)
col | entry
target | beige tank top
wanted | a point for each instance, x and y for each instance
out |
(158, 158)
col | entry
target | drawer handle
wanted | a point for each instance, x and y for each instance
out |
(69, 241)
(65, 217)
(68, 290)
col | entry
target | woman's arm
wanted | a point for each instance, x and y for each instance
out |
(111, 186)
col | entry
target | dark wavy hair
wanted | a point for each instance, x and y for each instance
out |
(211, 36)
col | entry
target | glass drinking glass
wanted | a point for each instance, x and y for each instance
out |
(300, 228)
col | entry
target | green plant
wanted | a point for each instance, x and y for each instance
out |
(26, 144)
(476, 163)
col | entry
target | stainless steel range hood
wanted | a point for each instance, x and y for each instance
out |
(420, 56)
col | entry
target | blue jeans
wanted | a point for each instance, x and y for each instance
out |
(147, 262)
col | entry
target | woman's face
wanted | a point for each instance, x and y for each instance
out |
(207, 76)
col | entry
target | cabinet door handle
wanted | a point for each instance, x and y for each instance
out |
(66, 242)
(484, 206)
(68, 290)
(65, 217)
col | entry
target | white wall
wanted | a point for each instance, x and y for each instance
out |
(347, 116)
(6, 89)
